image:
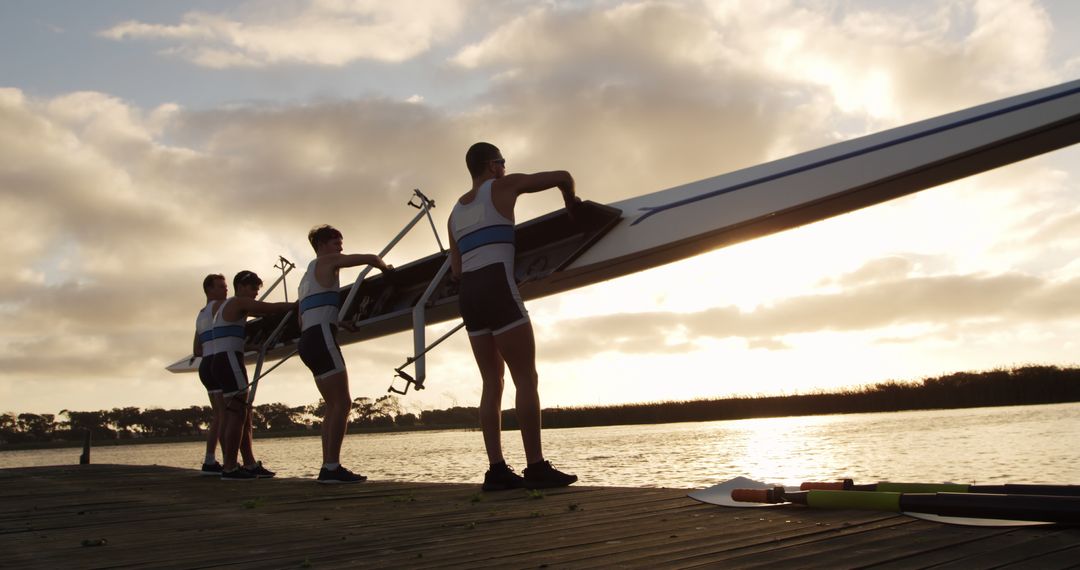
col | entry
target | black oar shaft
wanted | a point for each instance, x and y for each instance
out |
(1045, 508)
(1006, 489)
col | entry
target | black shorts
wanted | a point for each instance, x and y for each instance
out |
(206, 375)
(229, 371)
(320, 352)
(489, 300)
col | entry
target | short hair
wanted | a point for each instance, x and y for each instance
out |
(322, 234)
(479, 155)
(246, 277)
(208, 281)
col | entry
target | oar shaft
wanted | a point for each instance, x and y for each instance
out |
(1044, 508)
(1006, 489)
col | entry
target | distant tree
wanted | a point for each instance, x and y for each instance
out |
(37, 427)
(457, 416)
(123, 420)
(317, 411)
(406, 420)
(189, 421)
(388, 406)
(97, 423)
(363, 410)
(379, 412)
(9, 428)
(155, 422)
(276, 417)
(300, 416)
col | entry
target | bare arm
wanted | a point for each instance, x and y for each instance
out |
(339, 260)
(242, 307)
(506, 190)
(329, 265)
(196, 347)
(455, 254)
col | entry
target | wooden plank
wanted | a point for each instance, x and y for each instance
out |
(163, 517)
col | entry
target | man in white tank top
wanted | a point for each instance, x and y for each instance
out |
(482, 259)
(318, 347)
(216, 290)
(229, 369)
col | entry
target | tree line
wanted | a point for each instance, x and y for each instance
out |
(131, 423)
(1018, 386)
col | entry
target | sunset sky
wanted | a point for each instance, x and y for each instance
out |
(144, 144)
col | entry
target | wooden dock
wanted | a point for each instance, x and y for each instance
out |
(112, 516)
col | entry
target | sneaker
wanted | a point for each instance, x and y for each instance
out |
(259, 471)
(214, 468)
(501, 478)
(238, 474)
(543, 476)
(339, 475)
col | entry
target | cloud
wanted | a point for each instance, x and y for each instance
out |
(887, 268)
(114, 213)
(937, 302)
(322, 32)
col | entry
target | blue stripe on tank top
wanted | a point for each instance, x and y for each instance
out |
(229, 330)
(319, 300)
(486, 236)
(206, 336)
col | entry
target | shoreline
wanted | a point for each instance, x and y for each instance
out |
(73, 444)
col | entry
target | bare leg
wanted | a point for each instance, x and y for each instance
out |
(246, 433)
(518, 347)
(335, 392)
(213, 432)
(491, 372)
(232, 428)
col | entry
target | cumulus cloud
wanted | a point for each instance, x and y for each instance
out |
(936, 302)
(888, 268)
(659, 93)
(320, 32)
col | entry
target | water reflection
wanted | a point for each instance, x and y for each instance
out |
(1029, 444)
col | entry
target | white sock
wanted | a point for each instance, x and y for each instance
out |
(331, 466)
(211, 458)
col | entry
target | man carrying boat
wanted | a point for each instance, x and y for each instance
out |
(481, 229)
(318, 347)
(228, 369)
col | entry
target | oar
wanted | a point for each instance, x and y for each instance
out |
(1006, 489)
(972, 505)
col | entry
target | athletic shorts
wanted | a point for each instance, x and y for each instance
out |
(229, 370)
(206, 375)
(320, 352)
(489, 300)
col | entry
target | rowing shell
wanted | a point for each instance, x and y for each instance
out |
(557, 253)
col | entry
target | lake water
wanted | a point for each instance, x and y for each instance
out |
(1022, 444)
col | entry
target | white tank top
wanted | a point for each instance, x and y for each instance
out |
(483, 235)
(318, 304)
(204, 329)
(228, 335)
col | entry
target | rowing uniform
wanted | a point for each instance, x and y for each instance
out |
(228, 366)
(318, 345)
(204, 330)
(488, 296)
